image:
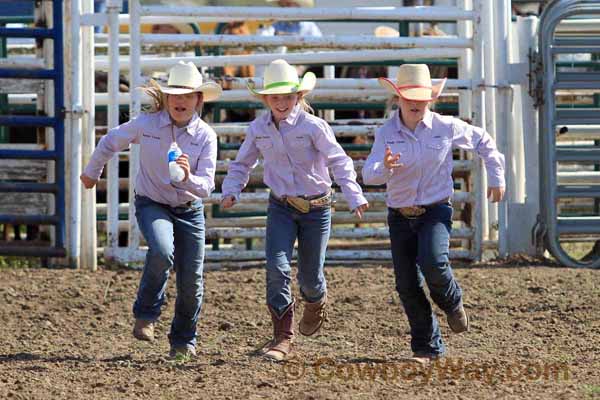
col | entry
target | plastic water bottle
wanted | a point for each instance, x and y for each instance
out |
(175, 171)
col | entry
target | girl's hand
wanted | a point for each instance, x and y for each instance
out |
(495, 194)
(184, 163)
(88, 182)
(227, 201)
(360, 210)
(390, 161)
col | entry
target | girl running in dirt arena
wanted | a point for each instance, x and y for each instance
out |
(412, 155)
(297, 148)
(168, 204)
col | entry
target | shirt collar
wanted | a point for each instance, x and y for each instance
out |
(428, 119)
(165, 120)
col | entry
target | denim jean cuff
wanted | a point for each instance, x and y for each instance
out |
(313, 299)
(457, 307)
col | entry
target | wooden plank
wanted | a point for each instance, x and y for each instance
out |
(23, 170)
(21, 86)
(24, 203)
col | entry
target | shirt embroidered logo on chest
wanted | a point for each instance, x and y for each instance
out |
(150, 136)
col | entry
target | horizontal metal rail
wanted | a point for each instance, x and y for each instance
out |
(37, 33)
(313, 58)
(306, 42)
(579, 155)
(578, 225)
(577, 117)
(435, 13)
(28, 187)
(351, 83)
(32, 251)
(574, 50)
(30, 154)
(27, 73)
(30, 219)
(578, 191)
(20, 120)
(138, 255)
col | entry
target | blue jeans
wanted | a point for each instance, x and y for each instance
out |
(420, 249)
(175, 237)
(284, 225)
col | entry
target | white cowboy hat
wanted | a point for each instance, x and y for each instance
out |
(185, 78)
(281, 78)
(413, 82)
(301, 3)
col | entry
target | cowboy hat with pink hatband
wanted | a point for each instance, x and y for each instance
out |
(413, 82)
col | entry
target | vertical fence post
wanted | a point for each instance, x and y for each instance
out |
(74, 155)
(89, 242)
(135, 75)
(503, 126)
(487, 20)
(480, 211)
(113, 7)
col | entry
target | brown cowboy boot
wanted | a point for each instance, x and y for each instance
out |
(283, 334)
(313, 316)
(143, 330)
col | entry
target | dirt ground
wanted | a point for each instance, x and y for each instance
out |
(535, 335)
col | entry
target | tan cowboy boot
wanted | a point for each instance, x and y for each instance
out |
(313, 317)
(283, 334)
(458, 320)
(143, 330)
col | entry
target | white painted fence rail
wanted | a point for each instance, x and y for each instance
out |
(325, 57)
(306, 42)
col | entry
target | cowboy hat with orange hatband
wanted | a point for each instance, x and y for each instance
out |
(413, 82)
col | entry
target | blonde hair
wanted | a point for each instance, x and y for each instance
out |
(302, 102)
(305, 105)
(158, 99)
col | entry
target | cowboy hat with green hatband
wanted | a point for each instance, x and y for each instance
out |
(185, 78)
(413, 82)
(281, 78)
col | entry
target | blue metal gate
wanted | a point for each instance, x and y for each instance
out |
(556, 121)
(57, 188)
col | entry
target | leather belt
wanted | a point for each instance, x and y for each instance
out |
(412, 212)
(304, 204)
